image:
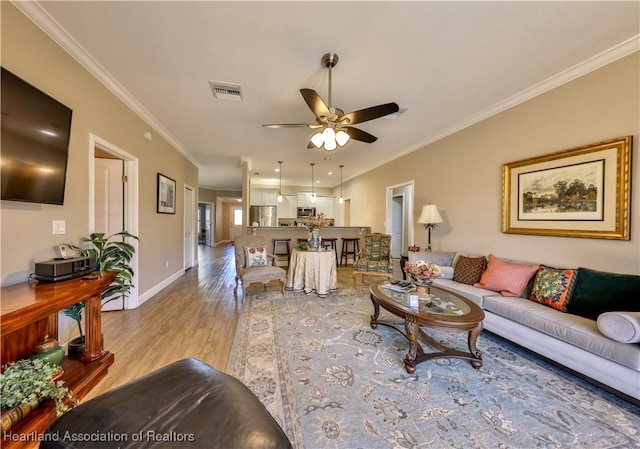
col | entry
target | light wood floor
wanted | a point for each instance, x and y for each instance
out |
(196, 316)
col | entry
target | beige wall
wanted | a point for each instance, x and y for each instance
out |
(27, 228)
(461, 174)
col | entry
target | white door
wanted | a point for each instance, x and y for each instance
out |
(235, 227)
(109, 205)
(397, 226)
(189, 226)
(109, 196)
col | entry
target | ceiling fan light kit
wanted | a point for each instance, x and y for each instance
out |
(334, 126)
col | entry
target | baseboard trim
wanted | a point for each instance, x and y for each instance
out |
(157, 288)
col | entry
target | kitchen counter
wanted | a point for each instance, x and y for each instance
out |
(300, 232)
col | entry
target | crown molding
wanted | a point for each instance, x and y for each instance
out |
(58, 34)
(596, 62)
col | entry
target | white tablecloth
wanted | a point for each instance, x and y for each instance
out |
(312, 271)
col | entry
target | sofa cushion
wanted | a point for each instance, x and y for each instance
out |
(510, 279)
(255, 256)
(470, 292)
(573, 329)
(468, 270)
(443, 260)
(597, 292)
(620, 326)
(553, 287)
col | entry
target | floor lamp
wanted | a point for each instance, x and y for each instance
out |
(430, 217)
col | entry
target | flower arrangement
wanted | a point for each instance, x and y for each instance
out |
(423, 271)
(317, 221)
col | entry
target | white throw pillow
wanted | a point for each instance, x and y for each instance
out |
(255, 256)
(620, 326)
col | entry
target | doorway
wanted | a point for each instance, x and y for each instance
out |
(113, 202)
(399, 217)
(189, 227)
(347, 212)
(204, 224)
(397, 226)
(235, 226)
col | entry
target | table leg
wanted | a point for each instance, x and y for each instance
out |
(376, 313)
(473, 336)
(93, 330)
(412, 335)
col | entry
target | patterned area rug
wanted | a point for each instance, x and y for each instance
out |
(333, 382)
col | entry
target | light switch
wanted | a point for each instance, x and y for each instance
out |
(59, 227)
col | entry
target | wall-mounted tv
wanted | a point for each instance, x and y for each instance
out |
(34, 143)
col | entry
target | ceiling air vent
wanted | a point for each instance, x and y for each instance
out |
(395, 115)
(226, 91)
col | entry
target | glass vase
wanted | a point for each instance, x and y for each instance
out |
(314, 240)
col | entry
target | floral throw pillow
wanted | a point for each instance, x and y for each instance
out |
(554, 287)
(255, 256)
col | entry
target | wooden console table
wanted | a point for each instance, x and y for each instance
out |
(29, 313)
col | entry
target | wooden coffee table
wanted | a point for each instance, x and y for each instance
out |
(443, 310)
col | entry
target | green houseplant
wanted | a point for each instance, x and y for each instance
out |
(27, 382)
(110, 253)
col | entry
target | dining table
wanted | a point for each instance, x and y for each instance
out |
(312, 271)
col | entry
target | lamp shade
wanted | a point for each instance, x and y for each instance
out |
(430, 215)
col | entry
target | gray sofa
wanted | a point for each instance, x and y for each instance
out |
(573, 341)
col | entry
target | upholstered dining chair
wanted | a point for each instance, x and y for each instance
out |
(374, 259)
(254, 264)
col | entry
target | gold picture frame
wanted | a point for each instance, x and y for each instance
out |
(581, 192)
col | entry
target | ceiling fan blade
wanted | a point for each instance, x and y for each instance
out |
(316, 104)
(367, 114)
(292, 125)
(358, 134)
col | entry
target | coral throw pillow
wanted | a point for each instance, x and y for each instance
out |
(510, 279)
(255, 256)
(468, 270)
(554, 287)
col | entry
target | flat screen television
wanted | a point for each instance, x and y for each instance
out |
(34, 143)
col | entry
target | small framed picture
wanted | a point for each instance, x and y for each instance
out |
(166, 195)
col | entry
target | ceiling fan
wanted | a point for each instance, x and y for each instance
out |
(334, 126)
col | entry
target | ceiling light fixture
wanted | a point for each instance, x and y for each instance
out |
(313, 192)
(329, 140)
(341, 200)
(280, 199)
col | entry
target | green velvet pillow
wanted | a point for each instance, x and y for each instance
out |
(597, 292)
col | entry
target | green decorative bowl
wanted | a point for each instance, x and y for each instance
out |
(50, 351)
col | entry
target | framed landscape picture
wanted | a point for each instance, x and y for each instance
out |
(166, 195)
(581, 192)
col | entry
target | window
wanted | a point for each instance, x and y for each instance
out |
(237, 217)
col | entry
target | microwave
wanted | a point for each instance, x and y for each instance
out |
(304, 212)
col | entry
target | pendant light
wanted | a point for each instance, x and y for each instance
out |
(313, 192)
(280, 199)
(341, 200)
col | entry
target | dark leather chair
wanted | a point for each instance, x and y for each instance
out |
(186, 404)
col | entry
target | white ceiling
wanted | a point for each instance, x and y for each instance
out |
(451, 63)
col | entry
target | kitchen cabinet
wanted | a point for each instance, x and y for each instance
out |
(289, 207)
(263, 197)
(304, 200)
(324, 204)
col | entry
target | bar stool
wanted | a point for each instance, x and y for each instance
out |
(278, 251)
(347, 251)
(331, 243)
